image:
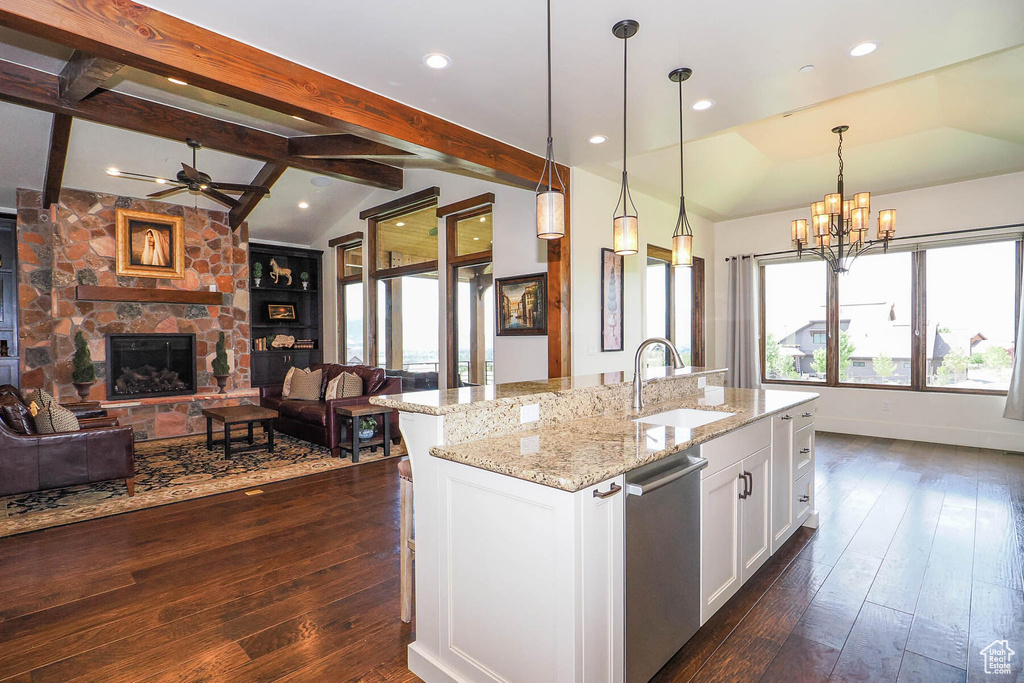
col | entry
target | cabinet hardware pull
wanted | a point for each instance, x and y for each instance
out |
(750, 483)
(808, 414)
(743, 478)
(787, 417)
(612, 490)
(804, 498)
(805, 450)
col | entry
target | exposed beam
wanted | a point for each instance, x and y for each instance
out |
(83, 74)
(161, 44)
(340, 146)
(267, 176)
(38, 90)
(60, 134)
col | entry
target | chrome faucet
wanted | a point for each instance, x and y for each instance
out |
(638, 380)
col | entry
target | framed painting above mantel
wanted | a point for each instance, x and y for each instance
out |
(150, 245)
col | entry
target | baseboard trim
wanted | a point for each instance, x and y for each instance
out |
(954, 436)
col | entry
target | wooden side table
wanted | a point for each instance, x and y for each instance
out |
(352, 414)
(234, 415)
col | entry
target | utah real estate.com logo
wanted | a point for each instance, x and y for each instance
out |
(997, 657)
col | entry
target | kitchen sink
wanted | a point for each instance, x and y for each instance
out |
(684, 418)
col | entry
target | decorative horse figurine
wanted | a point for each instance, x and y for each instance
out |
(278, 272)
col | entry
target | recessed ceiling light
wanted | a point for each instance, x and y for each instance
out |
(436, 60)
(160, 181)
(701, 105)
(176, 81)
(113, 171)
(597, 139)
(483, 219)
(298, 118)
(807, 68)
(320, 181)
(863, 49)
(476, 239)
(303, 205)
(399, 224)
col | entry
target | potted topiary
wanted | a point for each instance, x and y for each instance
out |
(84, 374)
(304, 276)
(257, 273)
(367, 426)
(221, 370)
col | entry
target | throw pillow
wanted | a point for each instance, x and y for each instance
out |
(54, 418)
(333, 389)
(17, 416)
(287, 386)
(351, 385)
(305, 386)
(39, 397)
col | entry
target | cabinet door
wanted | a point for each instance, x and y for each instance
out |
(755, 513)
(782, 479)
(720, 575)
(803, 452)
(602, 581)
(803, 498)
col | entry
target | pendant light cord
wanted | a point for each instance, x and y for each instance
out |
(681, 195)
(625, 70)
(549, 73)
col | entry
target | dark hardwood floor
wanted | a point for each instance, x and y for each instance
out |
(915, 569)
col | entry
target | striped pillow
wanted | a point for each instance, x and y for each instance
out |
(351, 385)
(305, 386)
(53, 418)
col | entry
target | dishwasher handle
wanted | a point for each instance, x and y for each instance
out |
(639, 488)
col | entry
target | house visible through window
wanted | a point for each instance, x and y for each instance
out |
(818, 338)
(793, 319)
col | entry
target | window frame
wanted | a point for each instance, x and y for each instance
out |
(697, 302)
(341, 245)
(919, 309)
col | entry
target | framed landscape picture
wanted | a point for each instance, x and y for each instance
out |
(281, 311)
(612, 287)
(521, 305)
(150, 245)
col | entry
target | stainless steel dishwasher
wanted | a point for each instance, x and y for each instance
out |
(662, 561)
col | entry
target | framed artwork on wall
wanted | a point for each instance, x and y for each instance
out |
(281, 311)
(521, 305)
(150, 245)
(612, 290)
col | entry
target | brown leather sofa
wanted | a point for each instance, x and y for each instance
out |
(101, 451)
(315, 421)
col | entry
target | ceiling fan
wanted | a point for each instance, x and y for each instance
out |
(190, 179)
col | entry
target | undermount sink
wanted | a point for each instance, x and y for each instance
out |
(684, 418)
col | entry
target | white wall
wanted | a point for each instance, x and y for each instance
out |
(517, 251)
(593, 203)
(946, 418)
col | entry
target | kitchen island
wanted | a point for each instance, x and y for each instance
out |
(520, 514)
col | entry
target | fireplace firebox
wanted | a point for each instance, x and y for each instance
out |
(141, 365)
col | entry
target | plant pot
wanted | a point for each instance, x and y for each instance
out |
(305, 285)
(365, 434)
(256, 281)
(222, 382)
(82, 388)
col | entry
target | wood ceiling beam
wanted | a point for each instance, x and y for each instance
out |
(340, 146)
(39, 90)
(60, 135)
(83, 74)
(167, 46)
(267, 176)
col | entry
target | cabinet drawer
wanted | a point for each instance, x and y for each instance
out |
(730, 449)
(803, 498)
(803, 415)
(803, 452)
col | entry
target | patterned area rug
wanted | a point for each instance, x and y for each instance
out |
(173, 470)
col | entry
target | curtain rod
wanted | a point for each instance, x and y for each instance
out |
(894, 239)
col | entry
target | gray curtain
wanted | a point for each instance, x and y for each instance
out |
(1015, 396)
(741, 350)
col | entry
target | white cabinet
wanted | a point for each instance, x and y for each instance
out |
(782, 478)
(602, 514)
(803, 452)
(803, 499)
(755, 513)
(720, 572)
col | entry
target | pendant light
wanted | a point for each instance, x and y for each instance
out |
(682, 236)
(550, 198)
(625, 225)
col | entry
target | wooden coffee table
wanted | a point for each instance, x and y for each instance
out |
(236, 415)
(352, 414)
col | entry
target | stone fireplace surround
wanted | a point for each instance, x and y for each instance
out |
(79, 249)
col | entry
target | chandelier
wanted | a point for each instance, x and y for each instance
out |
(839, 226)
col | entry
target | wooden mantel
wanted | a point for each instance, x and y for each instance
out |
(148, 296)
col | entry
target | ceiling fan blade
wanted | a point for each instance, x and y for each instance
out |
(191, 173)
(168, 192)
(239, 187)
(220, 197)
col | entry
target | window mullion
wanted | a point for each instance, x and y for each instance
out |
(832, 327)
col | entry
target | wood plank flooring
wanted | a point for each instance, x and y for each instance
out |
(916, 567)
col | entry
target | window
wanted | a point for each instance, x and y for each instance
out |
(674, 307)
(939, 318)
(349, 259)
(792, 317)
(407, 323)
(875, 320)
(470, 291)
(970, 315)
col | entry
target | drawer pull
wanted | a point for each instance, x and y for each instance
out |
(743, 477)
(612, 490)
(804, 498)
(787, 417)
(805, 450)
(808, 414)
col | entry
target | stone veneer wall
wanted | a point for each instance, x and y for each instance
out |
(80, 249)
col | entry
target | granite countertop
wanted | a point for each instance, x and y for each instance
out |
(518, 393)
(579, 453)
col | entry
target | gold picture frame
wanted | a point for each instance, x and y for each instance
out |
(150, 245)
